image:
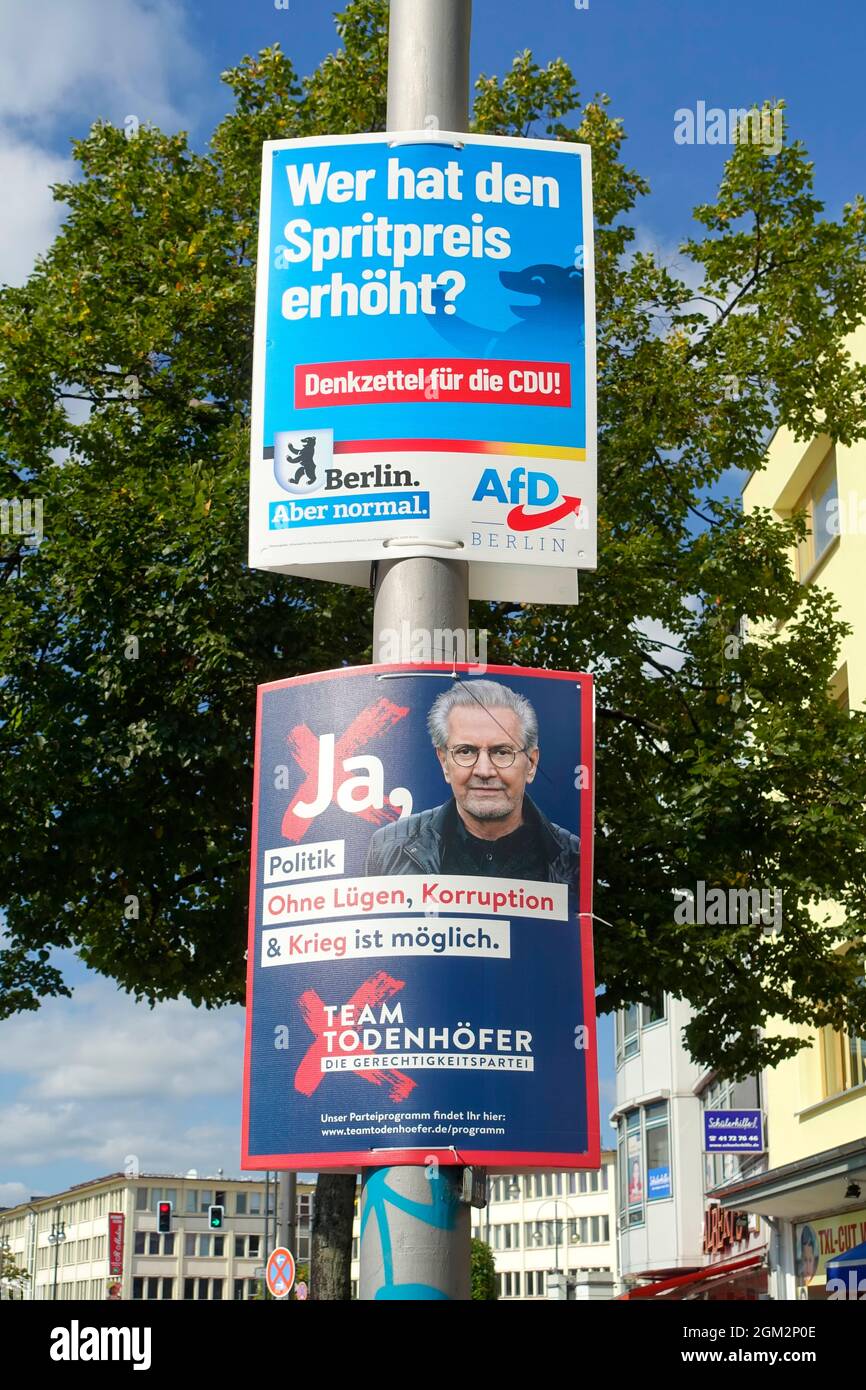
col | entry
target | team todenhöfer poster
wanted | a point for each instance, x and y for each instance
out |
(420, 968)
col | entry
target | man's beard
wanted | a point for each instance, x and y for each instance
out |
(488, 810)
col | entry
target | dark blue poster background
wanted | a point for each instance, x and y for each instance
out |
(298, 1115)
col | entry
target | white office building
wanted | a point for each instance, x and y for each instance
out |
(675, 1241)
(76, 1244)
(553, 1235)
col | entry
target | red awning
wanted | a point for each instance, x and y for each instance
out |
(681, 1281)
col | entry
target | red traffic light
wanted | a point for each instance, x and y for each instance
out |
(163, 1217)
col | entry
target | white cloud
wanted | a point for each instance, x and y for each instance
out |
(100, 1136)
(102, 1044)
(31, 217)
(95, 59)
(63, 66)
(12, 1193)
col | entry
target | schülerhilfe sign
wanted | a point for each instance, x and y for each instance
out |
(419, 971)
(424, 378)
(733, 1131)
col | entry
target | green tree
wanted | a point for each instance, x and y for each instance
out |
(133, 637)
(483, 1271)
(13, 1277)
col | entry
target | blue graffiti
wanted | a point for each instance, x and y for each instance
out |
(440, 1212)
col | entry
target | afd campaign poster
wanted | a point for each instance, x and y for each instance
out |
(424, 364)
(420, 971)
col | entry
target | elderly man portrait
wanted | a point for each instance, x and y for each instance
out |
(486, 740)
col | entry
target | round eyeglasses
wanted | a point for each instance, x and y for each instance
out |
(467, 755)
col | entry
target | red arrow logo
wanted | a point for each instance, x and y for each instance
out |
(518, 520)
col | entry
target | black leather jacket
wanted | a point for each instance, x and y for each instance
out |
(414, 845)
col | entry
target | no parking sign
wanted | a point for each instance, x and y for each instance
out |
(280, 1274)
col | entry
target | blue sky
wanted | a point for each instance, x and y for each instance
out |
(86, 1082)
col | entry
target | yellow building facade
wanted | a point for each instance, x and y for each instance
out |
(814, 1191)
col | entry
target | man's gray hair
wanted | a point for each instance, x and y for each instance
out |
(489, 695)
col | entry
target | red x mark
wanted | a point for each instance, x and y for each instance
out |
(304, 746)
(310, 1073)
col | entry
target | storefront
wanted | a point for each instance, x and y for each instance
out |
(735, 1248)
(816, 1211)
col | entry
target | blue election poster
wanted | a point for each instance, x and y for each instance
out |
(420, 973)
(424, 362)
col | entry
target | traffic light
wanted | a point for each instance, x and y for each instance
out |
(163, 1218)
(215, 1215)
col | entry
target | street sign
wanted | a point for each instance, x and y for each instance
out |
(415, 988)
(280, 1272)
(301, 1291)
(733, 1131)
(424, 367)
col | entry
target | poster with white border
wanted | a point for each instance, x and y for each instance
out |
(424, 363)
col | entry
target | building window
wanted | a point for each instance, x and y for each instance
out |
(508, 1285)
(239, 1247)
(168, 1288)
(253, 1252)
(303, 1247)
(168, 1244)
(627, 1034)
(137, 1288)
(844, 1057)
(217, 1289)
(720, 1167)
(205, 1200)
(218, 1246)
(255, 1204)
(658, 1153)
(535, 1283)
(141, 1199)
(189, 1288)
(139, 1242)
(191, 1201)
(820, 502)
(630, 1151)
(204, 1246)
(153, 1243)
(239, 1290)
(240, 1205)
(654, 1011)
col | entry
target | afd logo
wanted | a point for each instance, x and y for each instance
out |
(531, 489)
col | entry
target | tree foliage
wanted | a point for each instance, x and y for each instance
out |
(133, 637)
(13, 1277)
(483, 1276)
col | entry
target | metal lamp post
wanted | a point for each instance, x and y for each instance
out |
(556, 1203)
(56, 1238)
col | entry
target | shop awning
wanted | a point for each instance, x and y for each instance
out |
(852, 1262)
(797, 1190)
(711, 1274)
